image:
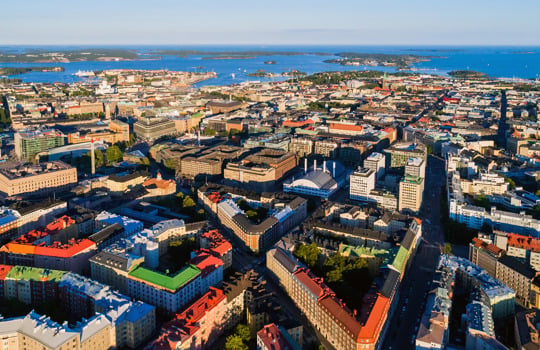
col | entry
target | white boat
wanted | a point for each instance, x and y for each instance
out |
(84, 73)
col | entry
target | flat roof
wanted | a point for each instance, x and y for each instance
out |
(170, 282)
(35, 274)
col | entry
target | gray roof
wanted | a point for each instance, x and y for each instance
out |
(289, 263)
(112, 260)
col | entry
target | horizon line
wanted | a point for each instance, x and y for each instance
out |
(277, 44)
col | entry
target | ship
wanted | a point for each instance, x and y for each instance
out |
(270, 62)
(84, 73)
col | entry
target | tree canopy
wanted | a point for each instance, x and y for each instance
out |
(114, 154)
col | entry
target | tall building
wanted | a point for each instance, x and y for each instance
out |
(29, 143)
(411, 190)
(361, 183)
(376, 162)
(398, 154)
(415, 167)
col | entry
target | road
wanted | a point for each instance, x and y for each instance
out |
(404, 323)
(243, 261)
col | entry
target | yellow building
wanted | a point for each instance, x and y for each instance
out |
(37, 179)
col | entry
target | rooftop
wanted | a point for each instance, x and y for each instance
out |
(21, 171)
(28, 273)
(165, 281)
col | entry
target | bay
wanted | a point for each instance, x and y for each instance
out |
(497, 62)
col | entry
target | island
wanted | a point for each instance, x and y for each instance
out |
(230, 57)
(249, 53)
(376, 59)
(467, 74)
(262, 74)
(79, 55)
(22, 70)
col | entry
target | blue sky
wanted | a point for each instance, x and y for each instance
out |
(190, 22)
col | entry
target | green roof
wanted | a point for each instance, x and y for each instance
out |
(412, 179)
(359, 251)
(170, 282)
(28, 273)
(399, 260)
(197, 115)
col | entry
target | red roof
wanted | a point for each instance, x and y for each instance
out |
(273, 339)
(64, 250)
(304, 278)
(206, 263)
(218, 245)
(297, 123)
(341, 314)
(4, 270)
(350, 127)
(371, 330)
(525, 242)
(186, 324)
(489, 247)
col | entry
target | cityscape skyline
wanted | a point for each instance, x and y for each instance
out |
(241, 23)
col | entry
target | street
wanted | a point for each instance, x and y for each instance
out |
(403, 326)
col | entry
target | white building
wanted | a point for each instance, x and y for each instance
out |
(376, 162)
(361, 183)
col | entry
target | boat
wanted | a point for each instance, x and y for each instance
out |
(82, 73)
(270, 62)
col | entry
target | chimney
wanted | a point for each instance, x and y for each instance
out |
(315, 165)
(93, 156)
(324, 166)
(305, 165)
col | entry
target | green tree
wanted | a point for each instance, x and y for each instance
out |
(447, 248)
(234, 342)
(209, 132)
(243, 332)
(309, 254)
(114, 154)
(100, 159)
(188, 203)
(511, 182)
(482, 201)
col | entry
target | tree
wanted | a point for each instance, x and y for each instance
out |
(100, 159)
(209, 132)
(114, 154)
(447, 248)
(234, 342)
(309, 254)
(482, 201)
(243, 332)
(188, 203)
(511, 182)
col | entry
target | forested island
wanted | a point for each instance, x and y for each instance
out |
(22, 70)
(65, 56)
(376, 59)
(467, 74)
